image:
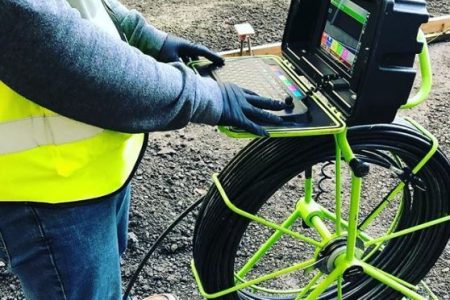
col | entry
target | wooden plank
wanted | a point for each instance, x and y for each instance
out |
(436, 27)
(268, 49)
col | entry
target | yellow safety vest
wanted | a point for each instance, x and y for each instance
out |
(48, 158)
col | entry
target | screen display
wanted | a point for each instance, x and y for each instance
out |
(344, 29)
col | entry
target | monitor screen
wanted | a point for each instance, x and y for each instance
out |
(344, 29)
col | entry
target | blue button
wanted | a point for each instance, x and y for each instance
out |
(297, 94)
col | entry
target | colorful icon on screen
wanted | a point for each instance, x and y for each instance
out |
(336, 48)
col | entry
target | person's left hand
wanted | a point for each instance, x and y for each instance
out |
(175, 49)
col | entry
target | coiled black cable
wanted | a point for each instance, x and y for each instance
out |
(265, 165)
(324, 176)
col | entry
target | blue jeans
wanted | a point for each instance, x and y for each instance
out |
(66, 252)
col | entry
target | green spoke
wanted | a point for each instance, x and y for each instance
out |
(321, 228)
(353, 217)
(381, 207)
(389, 231)
(331, 216)
(339, 288)
(392, 277)
(407, 231)
(259, 254)
(300, 266)
(260, 220)
(397, 217)
(393, 282)
(338, 189)
(322, 286)
(356, 186)
(268, 290)
(372, 252)
(309, 286)
(429, 291)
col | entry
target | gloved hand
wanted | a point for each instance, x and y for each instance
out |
(175, 48)
(243, 108)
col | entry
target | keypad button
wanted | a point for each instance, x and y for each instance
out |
(267, 80)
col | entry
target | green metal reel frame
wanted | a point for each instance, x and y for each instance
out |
(314, 215)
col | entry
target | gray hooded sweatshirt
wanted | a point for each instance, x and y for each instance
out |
(52, 56)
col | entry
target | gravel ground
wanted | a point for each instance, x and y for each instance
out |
(177, 167)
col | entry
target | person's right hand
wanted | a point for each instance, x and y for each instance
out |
(244, 109)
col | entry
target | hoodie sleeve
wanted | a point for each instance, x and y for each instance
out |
(139, 32)
(53, 57)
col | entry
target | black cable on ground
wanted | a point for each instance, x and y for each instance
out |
(265, 165)
(152, 249)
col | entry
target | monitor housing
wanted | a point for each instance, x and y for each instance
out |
(358, 53)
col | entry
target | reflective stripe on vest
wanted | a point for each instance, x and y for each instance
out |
(45, 157)
(42, 131)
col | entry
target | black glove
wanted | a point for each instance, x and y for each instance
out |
(175, 48)
(243, 108)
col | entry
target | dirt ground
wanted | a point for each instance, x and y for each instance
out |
(178, 165)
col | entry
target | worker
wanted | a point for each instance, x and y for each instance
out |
(81, 82)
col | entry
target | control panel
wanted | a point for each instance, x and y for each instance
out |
(266, 78)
